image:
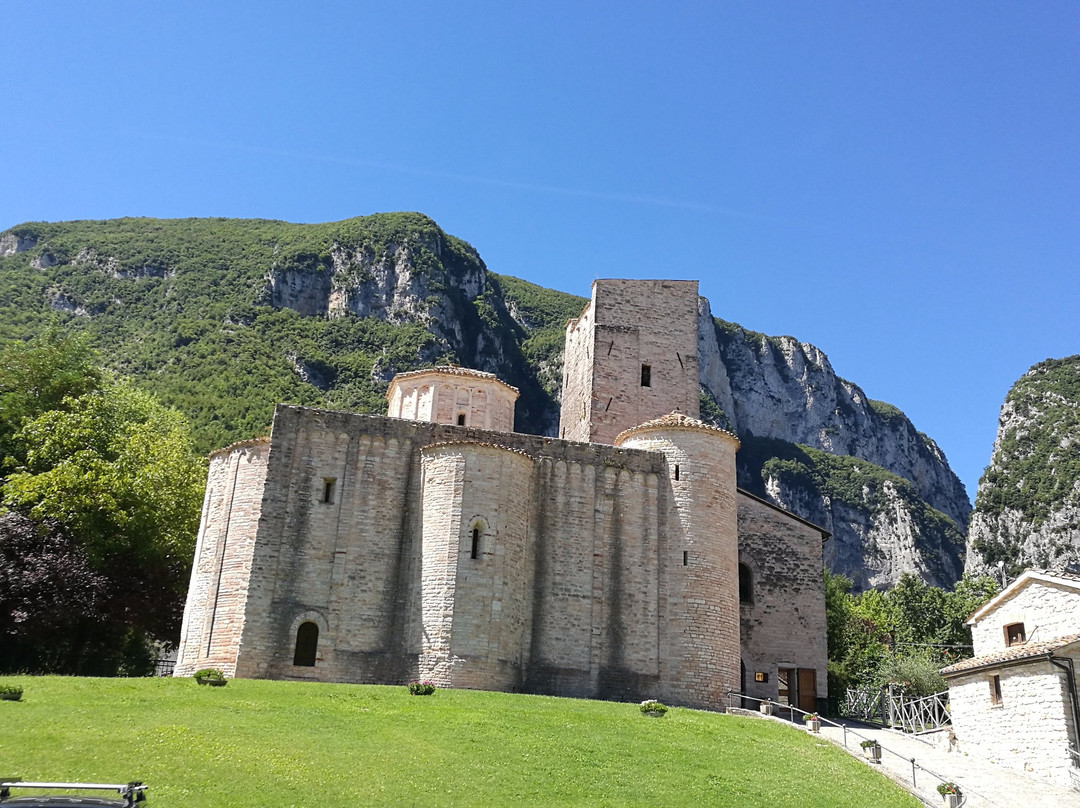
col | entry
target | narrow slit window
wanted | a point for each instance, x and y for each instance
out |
(995, 691)
(646, 375)
(328, 486)
(475, 543)
(686, 558)
(746, 585)
(676, 471)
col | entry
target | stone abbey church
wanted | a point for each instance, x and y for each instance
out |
(617, 561)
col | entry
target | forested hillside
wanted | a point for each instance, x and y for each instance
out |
(1027, 512)
(223, 318)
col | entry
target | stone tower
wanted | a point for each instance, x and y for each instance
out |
(453, 395)
(699, 559)
(631, 356)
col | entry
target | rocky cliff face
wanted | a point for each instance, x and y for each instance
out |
(225, 318)
(1027, 512)
(777, 387)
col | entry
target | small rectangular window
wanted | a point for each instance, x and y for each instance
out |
(686, 558)
(676, 471)
(1014, 634)
(475, 542)
(995, 691)
(461, 419)
(328, 489)
(646, 375)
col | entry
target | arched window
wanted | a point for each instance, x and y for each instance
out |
(746, 585)
(307, 644)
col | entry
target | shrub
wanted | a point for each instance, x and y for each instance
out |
(948, 788)
(10, 692)
(650, 706)
(868, 744)
(811, 717)
(424, 688)
(209, 674)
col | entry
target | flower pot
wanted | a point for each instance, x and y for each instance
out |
(766, 708)
(813, 726)
(653, 713)
(873, 753)
(951, 800)
(203, 680)
(10, 696)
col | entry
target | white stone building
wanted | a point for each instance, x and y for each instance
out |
(1015, 702)
(617, 561)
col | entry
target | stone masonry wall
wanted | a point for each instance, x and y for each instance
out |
(698, 563)
(217, 594)
(1047, 610)
(629, 325)
(784, 624)
(1029, 730)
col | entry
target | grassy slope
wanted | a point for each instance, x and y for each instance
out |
(258, 743)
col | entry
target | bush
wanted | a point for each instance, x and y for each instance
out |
(10, 692)
(424, 688)
(868, 744)
(652, 706)
(209, 674)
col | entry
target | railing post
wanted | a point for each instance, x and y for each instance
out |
(913, 772)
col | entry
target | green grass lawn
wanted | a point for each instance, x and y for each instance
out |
(258, 743)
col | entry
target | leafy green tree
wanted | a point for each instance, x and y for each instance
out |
(116, 474)
(39, 376)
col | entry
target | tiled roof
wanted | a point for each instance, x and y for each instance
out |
(453, 370)
(1013, 653)
(1029, 576)
(463, 443)
(241, 444)
(674, 419)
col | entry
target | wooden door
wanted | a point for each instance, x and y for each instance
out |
(807, 690)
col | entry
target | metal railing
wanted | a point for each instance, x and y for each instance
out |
(791, 710)
(924, 714)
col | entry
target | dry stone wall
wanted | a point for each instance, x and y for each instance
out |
(1028, 730)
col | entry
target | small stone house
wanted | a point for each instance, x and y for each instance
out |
(1015, 702)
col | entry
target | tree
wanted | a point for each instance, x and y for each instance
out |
(39, 376)
(116, 474)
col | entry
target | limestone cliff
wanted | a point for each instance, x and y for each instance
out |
(225, 318)
(778, 387)
(1027, 511)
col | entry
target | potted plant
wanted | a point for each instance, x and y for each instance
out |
(653, 708)
(424, 688)
(951, 794)
(210, 676)
(872, 750)
(766, 707)
(10, 693)
(812, 721)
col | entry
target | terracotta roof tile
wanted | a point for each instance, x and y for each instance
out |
(674, 419)
(1012, 654)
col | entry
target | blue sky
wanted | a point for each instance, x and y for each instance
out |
(897, 184)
